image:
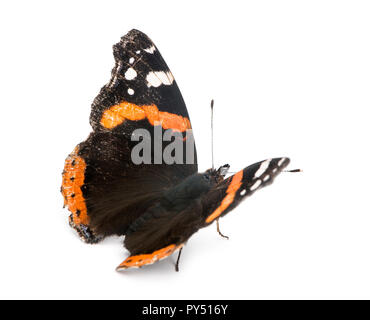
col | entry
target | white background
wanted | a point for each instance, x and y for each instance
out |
(289, 78)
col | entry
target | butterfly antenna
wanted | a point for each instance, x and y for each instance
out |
(213, 164)
(294, 170)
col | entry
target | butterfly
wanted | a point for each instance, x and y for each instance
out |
(156, 206)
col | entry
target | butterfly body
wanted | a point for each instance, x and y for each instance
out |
(179, 212)
(157, 206)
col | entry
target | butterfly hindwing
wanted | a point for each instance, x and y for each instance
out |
(171, 220)
(140, 260)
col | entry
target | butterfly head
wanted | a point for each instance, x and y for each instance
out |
(202, 182)
(216, 176)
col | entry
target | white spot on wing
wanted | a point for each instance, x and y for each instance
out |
(130, 74)
(130, 91)
(255, 185)
(131, 61)
(263, 167)
(150, 49)
(266, 178)
(164, 77)
(153, 80)
(281, 161)
(243, 192)
(157, 78)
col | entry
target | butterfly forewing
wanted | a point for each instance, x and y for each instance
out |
(230, 192)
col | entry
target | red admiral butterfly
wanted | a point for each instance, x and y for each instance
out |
(157, 207)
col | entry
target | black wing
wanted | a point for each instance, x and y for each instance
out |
(106, 191)
(230, 192)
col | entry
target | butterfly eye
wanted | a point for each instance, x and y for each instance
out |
(207, 177)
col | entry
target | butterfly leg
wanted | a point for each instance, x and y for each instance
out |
(219, 232)
(177, 261)
(84, 232)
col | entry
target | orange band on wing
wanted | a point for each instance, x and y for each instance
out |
(73, 180)
(117, 114)
(234, 186)
(143, 259)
